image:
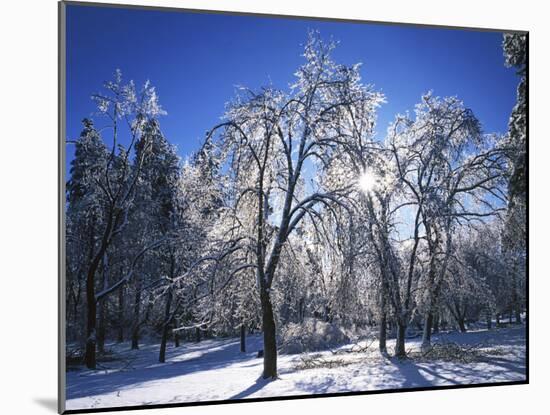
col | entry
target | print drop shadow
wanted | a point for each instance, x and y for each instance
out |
(49, 403)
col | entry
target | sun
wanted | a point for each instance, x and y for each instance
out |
(367, 181)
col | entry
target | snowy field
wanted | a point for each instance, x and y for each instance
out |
(216, 370)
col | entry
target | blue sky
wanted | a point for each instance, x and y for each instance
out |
(196, 60)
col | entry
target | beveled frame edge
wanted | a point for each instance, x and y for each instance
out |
(61, 103)
(285, 16)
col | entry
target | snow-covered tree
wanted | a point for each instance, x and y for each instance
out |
(128, 113)
(271, 136)
(452, 173)
(84, 213)
(515, 233)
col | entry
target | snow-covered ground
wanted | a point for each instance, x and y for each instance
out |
(216, 370)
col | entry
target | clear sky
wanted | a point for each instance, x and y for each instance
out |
(196, 60)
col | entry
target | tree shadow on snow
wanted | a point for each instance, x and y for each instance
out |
(512, 367)
(255, 387)
(410, 373)
(316, 387)
(414, 375)
(91, 383)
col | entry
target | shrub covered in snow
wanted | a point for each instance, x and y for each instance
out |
(311, 335)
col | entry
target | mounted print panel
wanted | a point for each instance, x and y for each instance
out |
(260, 207)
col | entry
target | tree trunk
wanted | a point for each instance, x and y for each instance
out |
(436, 323)
(462, 325)
(427, 332)
(135, 338)
(91, 305)
(120, 335)
(135, 326)
(383, 334)
(518, 315)
(102, 323)
(515, 294)
(101, 327)
(176, 334)
(301, 310)
(165, 326)
(489, 318)
(90, 323)
(76, 302)
(270, 341)
(400, 341)
(243, 338)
